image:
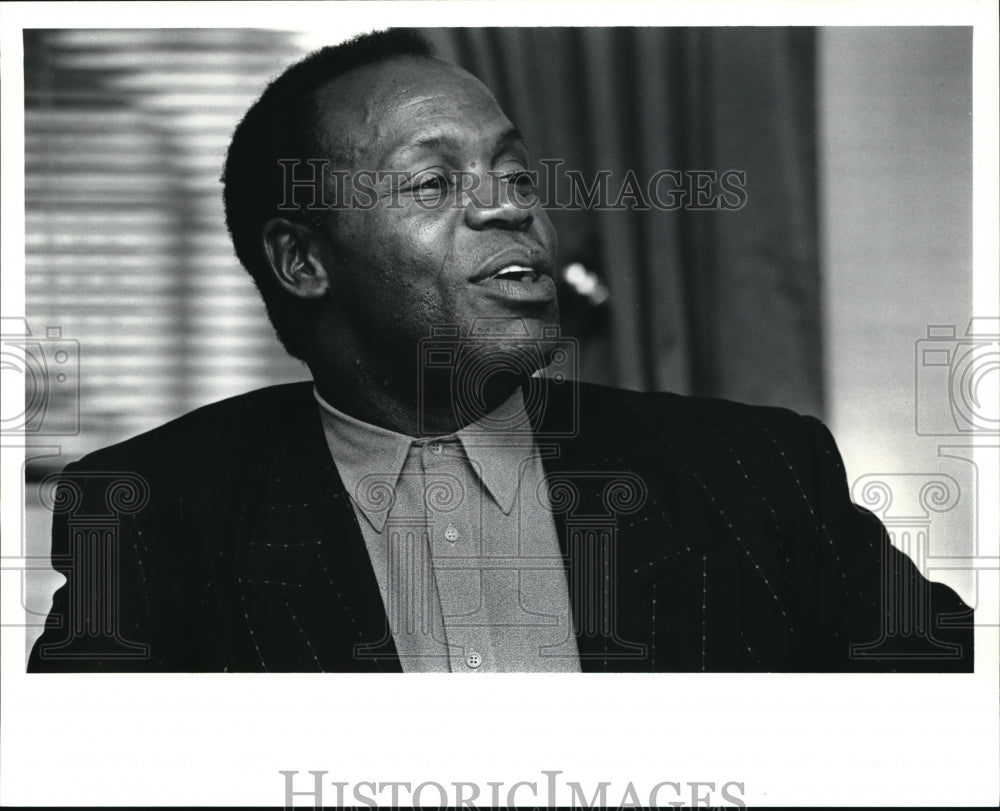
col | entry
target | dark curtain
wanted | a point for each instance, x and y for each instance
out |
(711, 302)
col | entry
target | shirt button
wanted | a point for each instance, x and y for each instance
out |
(436, 448)
(451, 534)
(473, 660)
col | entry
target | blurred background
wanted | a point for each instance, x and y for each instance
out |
(855, 237)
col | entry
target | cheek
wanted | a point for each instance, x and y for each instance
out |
(400, 264)
(422, 256)
(410, 287)
(546, 231)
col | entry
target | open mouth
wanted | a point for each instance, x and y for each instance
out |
(520, 285)
(516, 273)
(516, 278)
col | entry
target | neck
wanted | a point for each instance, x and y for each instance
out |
(427, 408)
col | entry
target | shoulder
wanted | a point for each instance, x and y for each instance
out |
(207, 434)
(706, 432)
(619, 409)
(713, 440)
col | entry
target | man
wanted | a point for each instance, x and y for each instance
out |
(431, 504)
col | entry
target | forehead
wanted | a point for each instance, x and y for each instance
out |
(378, 109)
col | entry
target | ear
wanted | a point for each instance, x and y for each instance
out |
(295, 254)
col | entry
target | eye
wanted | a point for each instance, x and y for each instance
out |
(430, 184)
(523, 181)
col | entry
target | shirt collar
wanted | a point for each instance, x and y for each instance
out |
(368, 458)
(496, 447)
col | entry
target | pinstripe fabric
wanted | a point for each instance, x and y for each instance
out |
(465, 554)
(697, 535)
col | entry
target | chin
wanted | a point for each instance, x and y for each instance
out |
(502, 323)
(503, 358)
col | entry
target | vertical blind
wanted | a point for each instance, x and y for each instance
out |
(126, 247)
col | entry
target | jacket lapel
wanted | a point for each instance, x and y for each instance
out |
(310, 596)
(634, 539)
(651, 587)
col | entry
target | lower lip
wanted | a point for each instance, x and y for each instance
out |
(539, 291)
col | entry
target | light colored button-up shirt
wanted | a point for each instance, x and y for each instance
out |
(462, 542)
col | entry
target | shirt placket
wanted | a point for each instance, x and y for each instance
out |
(453, 501)
(414, 611)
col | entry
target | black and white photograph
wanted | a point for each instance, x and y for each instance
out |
(351, 348)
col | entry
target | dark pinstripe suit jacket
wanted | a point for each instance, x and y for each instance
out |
(698, 535)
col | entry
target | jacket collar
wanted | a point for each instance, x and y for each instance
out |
(579, 443)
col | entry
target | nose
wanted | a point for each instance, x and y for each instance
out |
(498, 204)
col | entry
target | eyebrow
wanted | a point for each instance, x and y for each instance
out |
(509, 136)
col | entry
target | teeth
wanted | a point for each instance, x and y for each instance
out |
(512, 270)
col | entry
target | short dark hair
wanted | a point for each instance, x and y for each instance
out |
(280, 125)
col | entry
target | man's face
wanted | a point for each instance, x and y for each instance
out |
(428, 253)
